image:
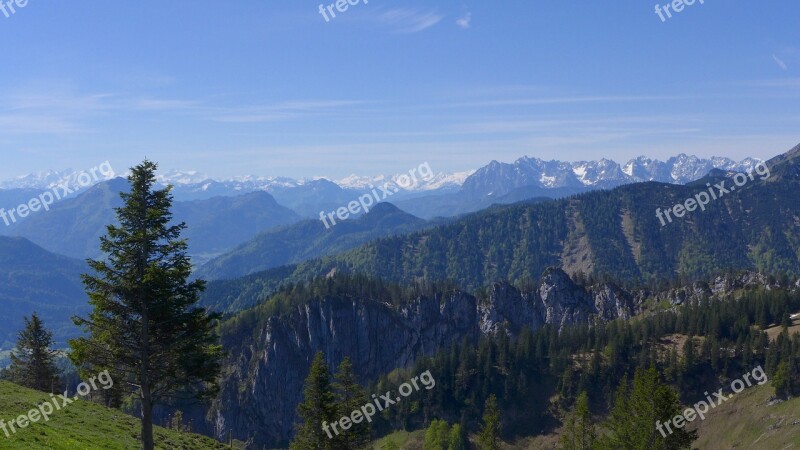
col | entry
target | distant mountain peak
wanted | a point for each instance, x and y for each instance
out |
(498, 179)
(383, 208)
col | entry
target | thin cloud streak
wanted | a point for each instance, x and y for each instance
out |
(774, 83)
(780, 62)
(563, 100)
(63, 112)
(408, 21)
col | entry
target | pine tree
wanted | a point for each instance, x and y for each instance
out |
(569, 437)
(145, 323)
(317, 411)
(437, 436)
(786, 320)
(350, 397)
(489, 437)
(458, 438)
(617, 422)
(632, 424)
(673, 367)
(33, 361)
(579, 432)
(781, 381)
(688, 356)
(176, 422)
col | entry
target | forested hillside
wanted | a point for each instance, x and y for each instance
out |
(306, 240)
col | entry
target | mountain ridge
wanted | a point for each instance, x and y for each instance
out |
(73, 226)
(613, 233)
(642, 168)
(307, 239)
(35, 280)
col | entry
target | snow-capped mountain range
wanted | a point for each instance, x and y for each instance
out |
(438, 181)
(495, 179)
(246, 183)
(39, 180)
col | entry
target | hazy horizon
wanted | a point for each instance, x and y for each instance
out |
(273, 89)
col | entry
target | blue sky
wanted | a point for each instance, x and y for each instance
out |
(269, 87)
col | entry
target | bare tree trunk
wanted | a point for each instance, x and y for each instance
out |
(147, 420)
(147, 396)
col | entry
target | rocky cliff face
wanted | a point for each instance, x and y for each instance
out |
(558, 301)
(268, 360)
(267, 366)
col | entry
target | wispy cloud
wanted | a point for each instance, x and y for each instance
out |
(563, 100)
(637, 124)
(49, 111)
(61, 101)
(282, 111)
(149, 104)
(410, 20)
(775, 83)
(59, 112)
(779, 62)
(465, 21)
(36, 125)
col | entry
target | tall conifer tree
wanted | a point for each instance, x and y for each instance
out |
(350, 397)
(145, 325)
(317, 411)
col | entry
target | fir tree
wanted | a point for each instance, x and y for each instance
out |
(489, 437)
(437, 437)
(634, 420)
(145, 323)
(617, 422)
(350, 397)
(579, 433)
(781, 381)
(317, 411)
(33, 361)
(458, 438)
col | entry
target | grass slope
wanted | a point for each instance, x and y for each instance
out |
(746, 421)
(402, 439)
(83, 425)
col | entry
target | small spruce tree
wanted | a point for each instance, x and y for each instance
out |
(489, 437)
(781, 381)
(579, 432)
(317, 411)
(33, 362)
(350, 397)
